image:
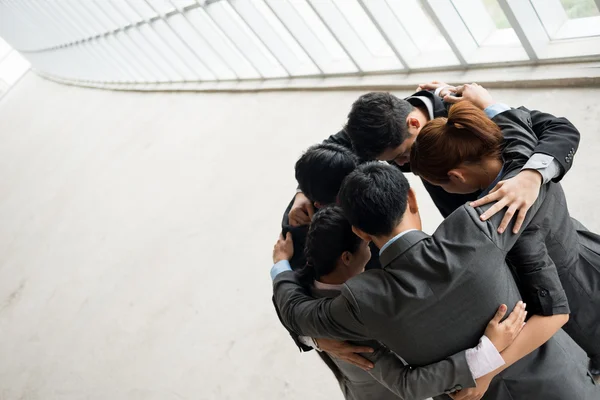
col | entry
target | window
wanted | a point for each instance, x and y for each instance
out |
(568, 19)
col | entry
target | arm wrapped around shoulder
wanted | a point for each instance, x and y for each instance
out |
(537, 275)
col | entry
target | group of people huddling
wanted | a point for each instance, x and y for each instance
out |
(502, 301)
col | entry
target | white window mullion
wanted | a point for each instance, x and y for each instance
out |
(527, 25)
(451, 26)
(373, 9)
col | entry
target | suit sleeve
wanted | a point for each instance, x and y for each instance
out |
(537, 275)
(557, 137)
(408, 383)
(336, 318)
(340, 138)
(519, 138)
(297, 261)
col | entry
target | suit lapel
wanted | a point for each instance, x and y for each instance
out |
(400, 246)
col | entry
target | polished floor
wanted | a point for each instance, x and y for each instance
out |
(136, 232)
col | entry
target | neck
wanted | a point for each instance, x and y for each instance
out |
(408, 223)
(487, 171)
(337, 277)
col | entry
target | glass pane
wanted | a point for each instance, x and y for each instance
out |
(142, 8)
(306, 27)
(147, 55)
(580, 8)
(423, 32)
(274, 35)
(162, 6)
(189, 34)
(125, 11)
(194, 67)
(162, 53)
(107, 22)
(357, 34)
(113, 13)
(496, 13)
(489, 27)
(397, 33)
(132, 55)
(245, 40)
(221, 44)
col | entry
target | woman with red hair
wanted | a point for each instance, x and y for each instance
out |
(467, 152)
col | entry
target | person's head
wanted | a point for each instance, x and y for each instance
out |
(452, 152)
(321, 170)
(331, 246)
(376, 199)
(382, 126)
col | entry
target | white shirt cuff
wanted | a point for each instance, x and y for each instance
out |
(308, 341)
(484, 358)
(495, 109)
(546, 165)
(281, 266)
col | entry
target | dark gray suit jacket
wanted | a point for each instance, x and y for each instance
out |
(391, 378)
(434, 297)
(553, 236)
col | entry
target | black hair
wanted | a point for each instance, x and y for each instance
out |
(376, 122)
(374, 197)
(321, 170)
(329, 236)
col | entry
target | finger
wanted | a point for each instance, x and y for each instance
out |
(486, 199)
(500, 204)
(359, 361)
(514, 315)
(500, 313)
(507, 217)
(281, 235)
(517, 321)
(301, 218)
(452, 99)
(520, 219)
(288, 236)
(498, 186)
(350, 348)
(418, 89)
(459, 89)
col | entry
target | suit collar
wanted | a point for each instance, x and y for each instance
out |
(400, 246)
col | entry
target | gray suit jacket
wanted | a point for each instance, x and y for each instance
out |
(434, 297)
(391, 378)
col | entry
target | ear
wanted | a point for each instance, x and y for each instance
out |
(456, 175)
(346, 258)
(412, 201)
(361, 234)
(413, 122)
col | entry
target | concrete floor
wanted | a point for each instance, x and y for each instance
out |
(137, 230)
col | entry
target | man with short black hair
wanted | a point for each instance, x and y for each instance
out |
(329, 162)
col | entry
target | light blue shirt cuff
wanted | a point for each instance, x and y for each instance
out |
(546, 165)
(495, 109)
(281, 266)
